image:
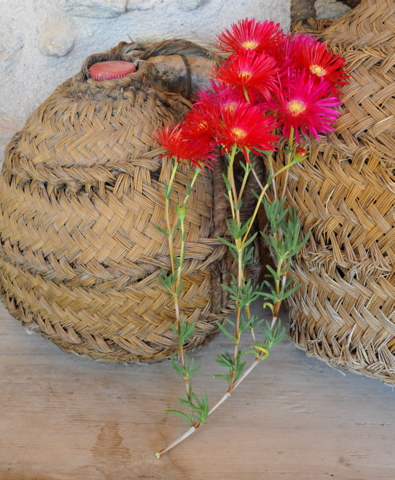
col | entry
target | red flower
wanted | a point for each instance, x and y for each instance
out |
(250, 35)
(245, 126)
(249, 70)
(212, 100)
(306, 104)
(198, 151)
(199, 123)
(313, 56)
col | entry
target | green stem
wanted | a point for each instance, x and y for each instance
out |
(195, 176)
(177, 283)
(246, 95)
(288, 160)
(233, 197)
(263, 192)
(240, 279)
(231, 181)
(271, 172)
(248, 313)
(167, 217)
(244, 183)
(182, 229)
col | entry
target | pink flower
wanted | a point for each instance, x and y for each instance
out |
(250, 35)
(311, 55)
(306, 104)
(248, 70)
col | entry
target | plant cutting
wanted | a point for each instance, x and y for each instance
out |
(272, 89)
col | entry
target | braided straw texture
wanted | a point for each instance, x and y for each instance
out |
(344, 312)
(81, 194)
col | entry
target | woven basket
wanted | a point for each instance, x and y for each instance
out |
(81, 194)
(344, 313)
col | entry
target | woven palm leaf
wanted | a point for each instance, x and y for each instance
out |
(344, 313)
(81, 195)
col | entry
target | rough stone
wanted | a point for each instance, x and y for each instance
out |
(188, 5)
(8, 127)
(140, 5)
(27, 77)
(57, 38)
(94, 8)
(330, 9)
(10, 44)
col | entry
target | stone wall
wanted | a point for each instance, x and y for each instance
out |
(44, 42)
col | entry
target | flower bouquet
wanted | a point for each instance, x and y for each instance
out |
(272, 89)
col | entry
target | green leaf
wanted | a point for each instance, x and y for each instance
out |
(224, 377)
(181, 287)
(177, 367)
(269, 305)
(171, 325)
(165, 232)
(229, 335)
(227, 183)
(225, 360)
(228, 244)
(251, 239)
(176, 261)
(286, 294)
(181, 414)
(230, 289)
(287, 150)
(176, 226)
(238, 205)
(248, 352)
(273, 272)
(195, 369)
(244, 228)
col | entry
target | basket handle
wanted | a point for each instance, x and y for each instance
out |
(174, 46)
(302, 10)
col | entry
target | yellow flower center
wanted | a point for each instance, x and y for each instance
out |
(239, 133)
(317, 70)
(245, 74)
(230, 106)
(250, 45)
(296, 107)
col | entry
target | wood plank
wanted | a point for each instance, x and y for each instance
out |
(64, 417)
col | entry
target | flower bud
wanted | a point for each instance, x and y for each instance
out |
(300, 154)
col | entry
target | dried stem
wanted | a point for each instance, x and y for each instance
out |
(257, 178)
(176, 442)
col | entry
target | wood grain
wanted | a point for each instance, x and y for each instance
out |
(66, 418)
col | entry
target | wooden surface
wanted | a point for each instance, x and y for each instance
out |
(63, 418)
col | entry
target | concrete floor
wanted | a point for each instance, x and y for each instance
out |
(294, 418)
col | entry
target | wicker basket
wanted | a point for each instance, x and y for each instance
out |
(344, 313)
(81, 194)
